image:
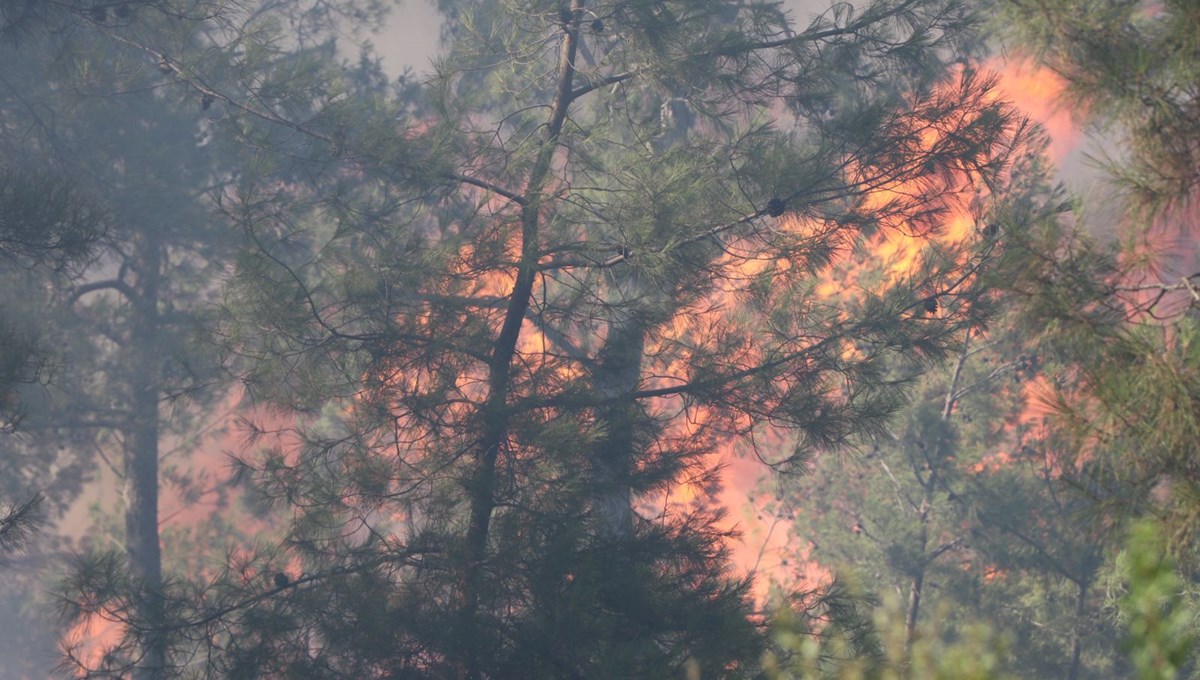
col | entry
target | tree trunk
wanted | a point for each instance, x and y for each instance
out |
(620, 365)
(917, 584)
(481, 487)
(930, 484)
(1076, 635)
(914, 608)
(617, 376)
(141, 462)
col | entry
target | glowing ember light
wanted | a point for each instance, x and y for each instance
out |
(894, 255)
(1038, 93)
(88, 643)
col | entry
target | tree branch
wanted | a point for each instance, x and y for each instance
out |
(108, 284)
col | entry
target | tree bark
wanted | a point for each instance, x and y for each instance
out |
(481, 488)
(1076, 634)
(141, 461)
(617, 376)
(619, 371)
(917, 584)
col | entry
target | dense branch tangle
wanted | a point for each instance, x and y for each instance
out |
(472, 332)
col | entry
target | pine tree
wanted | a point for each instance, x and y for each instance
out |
(141, 371)
(504, 321)
(1123, 312)
(965, 511)
(1131, 71)
(122, 318)
(45, 221)
(1108, 324)
(961, 506)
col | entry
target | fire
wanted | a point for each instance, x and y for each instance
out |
(765, 526)
(1038, 394)
(89, 642)
(1038, 92)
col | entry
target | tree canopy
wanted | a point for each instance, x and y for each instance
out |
(490, 338)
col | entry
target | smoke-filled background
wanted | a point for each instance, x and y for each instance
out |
(832, 341)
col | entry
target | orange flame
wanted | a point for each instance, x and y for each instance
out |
(89, 642)
(1038, 92)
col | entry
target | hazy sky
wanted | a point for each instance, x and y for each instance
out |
(410, 39)
(411, 36)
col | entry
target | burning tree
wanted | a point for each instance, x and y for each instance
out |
(1099, 425)
(1124, 313)
(508, 318)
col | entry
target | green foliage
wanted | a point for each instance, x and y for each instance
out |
(1162, 629)
(493, 322)
(1120, 324)
(1109, 352)
(18, 523)
(1129, 418)
(45, 220)
(959, 504)
(972, 652)
(96, 144)
(22, 363)
(1127, 65)
(477, 311)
